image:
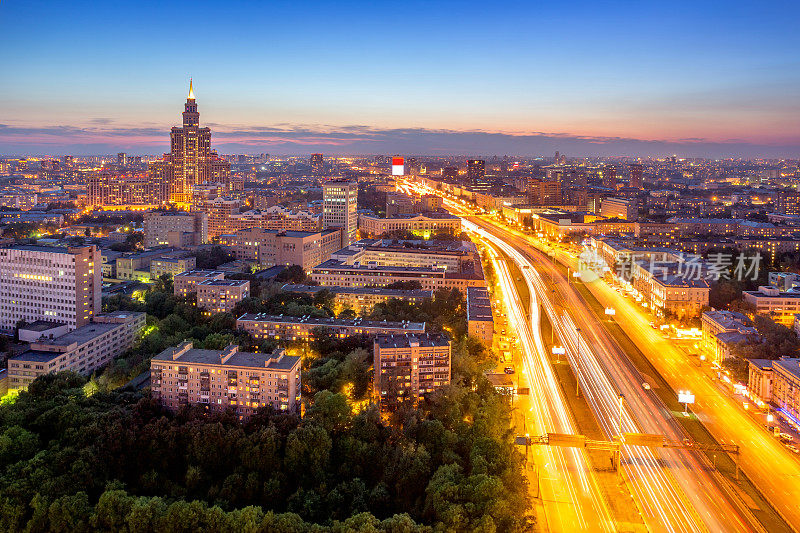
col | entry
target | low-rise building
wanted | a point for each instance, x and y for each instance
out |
(82, 350)
(480, 323)
(619, 208)
(786, 387)
(759, 382)
(138, 266)
(423, 224)
(783, 281)
(185, 283)
(361, 298)
(722, 330)
(221, 295)
(780, 306)
(292, 328)
(408, 367)
(223, 379)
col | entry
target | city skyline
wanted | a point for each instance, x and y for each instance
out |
(427, 80)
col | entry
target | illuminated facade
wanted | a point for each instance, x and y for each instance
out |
(340, 208)
(50, 283)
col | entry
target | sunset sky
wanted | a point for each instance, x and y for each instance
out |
(588, 78)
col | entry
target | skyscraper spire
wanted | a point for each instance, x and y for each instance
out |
(191, 90)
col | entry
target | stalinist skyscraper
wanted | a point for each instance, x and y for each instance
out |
(191, 160)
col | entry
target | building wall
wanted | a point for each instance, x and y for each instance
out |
(370, 226)
(49, 283)
(157, 227)
(221, 296)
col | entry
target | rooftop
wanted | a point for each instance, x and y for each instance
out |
(274, 361)
(377, 291)
(200, 274)
(479, 305)
(408, 340)
(332, 322)
(788, 365)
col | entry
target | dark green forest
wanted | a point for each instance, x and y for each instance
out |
(78, 455)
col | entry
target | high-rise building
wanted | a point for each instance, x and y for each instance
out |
(476, 170)
(122, 159)
(49, 283)
(450, 173)
(609, 173)
(637, 171)
(316, 164)
(191, 160)
(179, 230)
(340, 208)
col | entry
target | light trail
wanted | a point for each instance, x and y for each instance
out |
(569, 489)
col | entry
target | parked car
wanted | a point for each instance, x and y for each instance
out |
(509, 370)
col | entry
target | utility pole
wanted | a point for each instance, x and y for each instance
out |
(578, 366)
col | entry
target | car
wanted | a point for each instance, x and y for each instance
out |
(793, 448)
(509, 370)
(646, 386)
(786, 437)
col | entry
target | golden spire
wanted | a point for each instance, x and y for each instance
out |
(191, 91)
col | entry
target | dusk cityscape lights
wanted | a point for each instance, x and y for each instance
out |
(399, 267)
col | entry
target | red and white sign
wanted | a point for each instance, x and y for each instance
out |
(398, 166)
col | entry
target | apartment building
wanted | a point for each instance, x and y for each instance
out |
(781, 306)
(668, 289)
(82, 350)
(759, 382)
(185, 283)
(269, 248)
(423, 224)
(291, 328)
(408, 367)
(361, 298)
(221, 295)
(619, 208)
(480, 323)
(721, 331)
(51, 283)
(178, 230)
(225, 379)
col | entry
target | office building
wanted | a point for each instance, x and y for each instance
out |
(609, 176)
(787, 203)
(291, 328)
(151, 264)
(408, 367)
(225, 379)
(422, 225)
(269, 248)
(780, 306)
(340, 208)
(476, 171)
(316, 164)
(480, 323)
(178, 230)
(786, 387)
(619, 208)
(221, 295)
(82, 350)
(51, 283)
(722, 331)
(637, 175)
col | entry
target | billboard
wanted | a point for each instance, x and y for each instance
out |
(685, 397)
(398, 166)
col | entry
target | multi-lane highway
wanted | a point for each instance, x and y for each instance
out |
(676, 490)
(568, 489)
(672, 487)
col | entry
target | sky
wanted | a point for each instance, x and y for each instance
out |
(639, 78)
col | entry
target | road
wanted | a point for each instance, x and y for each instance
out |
(773, 468)
(569, 491)
(687, 495)
(677, 498)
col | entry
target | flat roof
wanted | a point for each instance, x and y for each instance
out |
(376, 291)
(41, 325)
(331, 322)
(479, 305)
(40, 248)
(200, 273)
(213, 357)
(35, 356)
(406, 340)
(224, 282)
(789, 365)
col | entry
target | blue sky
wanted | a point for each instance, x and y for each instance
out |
(470, 77)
